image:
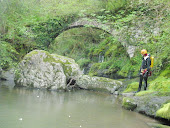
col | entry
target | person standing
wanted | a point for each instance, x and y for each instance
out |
(144, 69)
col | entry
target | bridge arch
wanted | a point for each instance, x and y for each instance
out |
(84, 22)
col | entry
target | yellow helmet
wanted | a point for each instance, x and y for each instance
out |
(143, 51)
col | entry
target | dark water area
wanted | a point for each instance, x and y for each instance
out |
(34, 108)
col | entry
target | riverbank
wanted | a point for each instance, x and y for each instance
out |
(151, 103)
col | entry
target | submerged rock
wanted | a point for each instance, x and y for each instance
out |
(39, 69)
(98, 83)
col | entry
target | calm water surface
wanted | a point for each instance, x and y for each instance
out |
(27, 108)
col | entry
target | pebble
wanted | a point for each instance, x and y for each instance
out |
(38, 96)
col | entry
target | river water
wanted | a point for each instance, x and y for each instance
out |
(34, 108)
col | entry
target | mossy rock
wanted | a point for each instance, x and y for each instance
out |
(128, 103)
(41, 69)
(98, 83)
(71, 68)
(29, 55)
(164, 112)
(132, 87)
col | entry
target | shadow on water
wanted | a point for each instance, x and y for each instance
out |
(35, 108)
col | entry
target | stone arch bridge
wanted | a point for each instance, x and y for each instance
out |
(86, 22)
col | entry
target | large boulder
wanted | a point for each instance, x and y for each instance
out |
(98, 83)
(39, 69)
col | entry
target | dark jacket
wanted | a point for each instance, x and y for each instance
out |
(146, 62)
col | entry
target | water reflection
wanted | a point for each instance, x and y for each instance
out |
(35, 108)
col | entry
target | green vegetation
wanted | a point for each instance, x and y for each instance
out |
(116, 63)
(160, 84)
(164, 112)
(28, 25)
(8, 55)
(76, 43)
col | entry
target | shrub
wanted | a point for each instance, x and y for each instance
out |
(7, 55)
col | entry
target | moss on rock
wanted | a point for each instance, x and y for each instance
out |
(41, 69)
(132, 87)
(31, 54)
(129, 103)
(98, 83)
(143, 93)
(164, 112)
(66, 63)
(161, 84)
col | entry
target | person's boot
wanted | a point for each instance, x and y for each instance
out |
(145, 87)
(138, 90)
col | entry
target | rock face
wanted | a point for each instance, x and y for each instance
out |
(39, 69)
(98, 83)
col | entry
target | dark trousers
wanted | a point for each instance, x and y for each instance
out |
(145, 80)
